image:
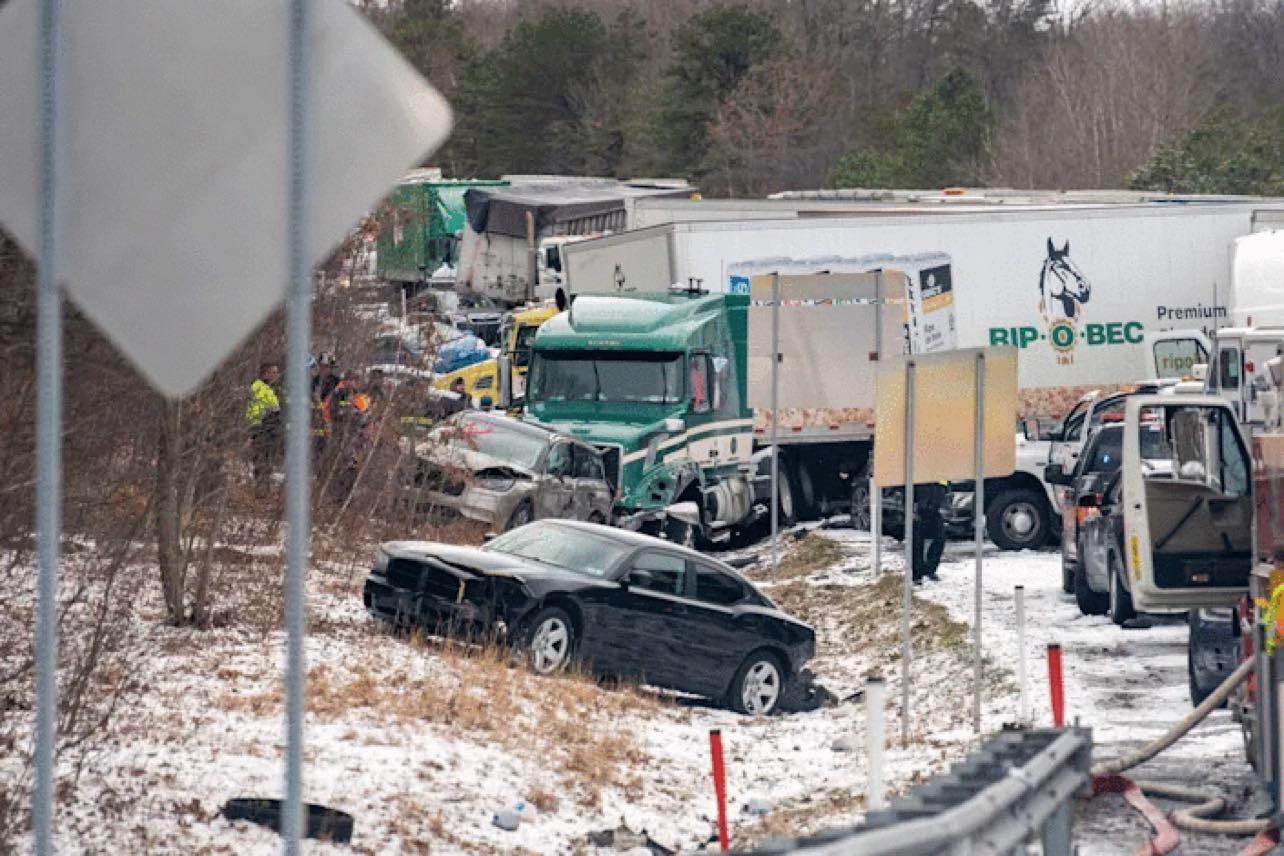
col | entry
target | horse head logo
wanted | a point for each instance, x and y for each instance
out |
(1062, 288)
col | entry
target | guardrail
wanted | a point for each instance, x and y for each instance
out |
(1019, 785)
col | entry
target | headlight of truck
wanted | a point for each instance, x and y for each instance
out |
(381, 561)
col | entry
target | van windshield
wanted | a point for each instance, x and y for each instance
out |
(606, 376)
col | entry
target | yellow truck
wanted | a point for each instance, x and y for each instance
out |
(481, 380)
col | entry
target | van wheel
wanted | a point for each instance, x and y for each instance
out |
(1018, 519)
(1120, 598)
(1090, 602)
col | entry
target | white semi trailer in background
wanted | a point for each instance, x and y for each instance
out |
(1076, 287)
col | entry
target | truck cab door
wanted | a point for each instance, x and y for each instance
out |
(1173, 354)
(1188, 503)
(1226, 373)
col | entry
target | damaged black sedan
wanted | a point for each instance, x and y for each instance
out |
(622, 603)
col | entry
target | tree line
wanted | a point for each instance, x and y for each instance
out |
(748, 97)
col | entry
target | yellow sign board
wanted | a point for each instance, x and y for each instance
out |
(945, 416)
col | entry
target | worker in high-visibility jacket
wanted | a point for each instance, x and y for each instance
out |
(263, 419)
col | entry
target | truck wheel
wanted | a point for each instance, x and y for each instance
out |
(861, 518)
(785, 497)
(805, 491)
(1018, 519)
(1089, 601)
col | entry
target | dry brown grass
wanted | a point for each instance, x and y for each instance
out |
(808, 555)
(847, 616)
(803, 815)
(479, 691)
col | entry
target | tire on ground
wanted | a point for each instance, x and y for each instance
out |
(752, 669)
(1119, 598)
(521, 515)
(1002, 512)
(1089, 601)
(555, 621)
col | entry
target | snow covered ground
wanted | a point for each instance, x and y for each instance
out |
(1129, 686)
(422, 742)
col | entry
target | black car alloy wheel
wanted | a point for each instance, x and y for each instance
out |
(551, 641)
(758, 685)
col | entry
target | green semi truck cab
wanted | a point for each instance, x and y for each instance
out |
(658, 381)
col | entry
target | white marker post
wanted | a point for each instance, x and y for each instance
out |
(1019, 598)
(875, 742)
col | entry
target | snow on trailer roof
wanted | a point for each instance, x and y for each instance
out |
(968, 196)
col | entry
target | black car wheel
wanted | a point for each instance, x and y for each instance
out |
(1018, 519)
(521, 515)
(1090, 602)
(758, 685)
(550, 641)
(1120, 598)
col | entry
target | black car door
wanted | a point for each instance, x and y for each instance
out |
(648, 610)
(717, 629)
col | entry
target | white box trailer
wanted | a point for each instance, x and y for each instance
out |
(1075, 286)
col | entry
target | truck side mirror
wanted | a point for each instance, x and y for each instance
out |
(1089, 500)
(1199, 371)
(1030, 427)
(1054, 474)
(504, 368)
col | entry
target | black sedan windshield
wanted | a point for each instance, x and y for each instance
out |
(562, 547)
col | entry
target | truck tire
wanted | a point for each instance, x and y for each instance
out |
(785, 502)
(1018, 519)
(1089, 601)
(860, 515)
(804, 490)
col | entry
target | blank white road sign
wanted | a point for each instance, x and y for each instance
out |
(173, 174)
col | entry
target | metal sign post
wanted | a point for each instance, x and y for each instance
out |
(775, 420)
(978, 522)
(876, 525)
(298, 321)
(48, 428)
(909, 552)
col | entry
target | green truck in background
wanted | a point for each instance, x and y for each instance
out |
(661, 383)
(421, 224)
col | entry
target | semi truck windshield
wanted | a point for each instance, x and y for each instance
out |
(607, 376)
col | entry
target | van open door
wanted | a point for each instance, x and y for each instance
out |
(1173, 354)
(1188, 503)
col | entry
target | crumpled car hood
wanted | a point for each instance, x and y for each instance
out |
(452, 457)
